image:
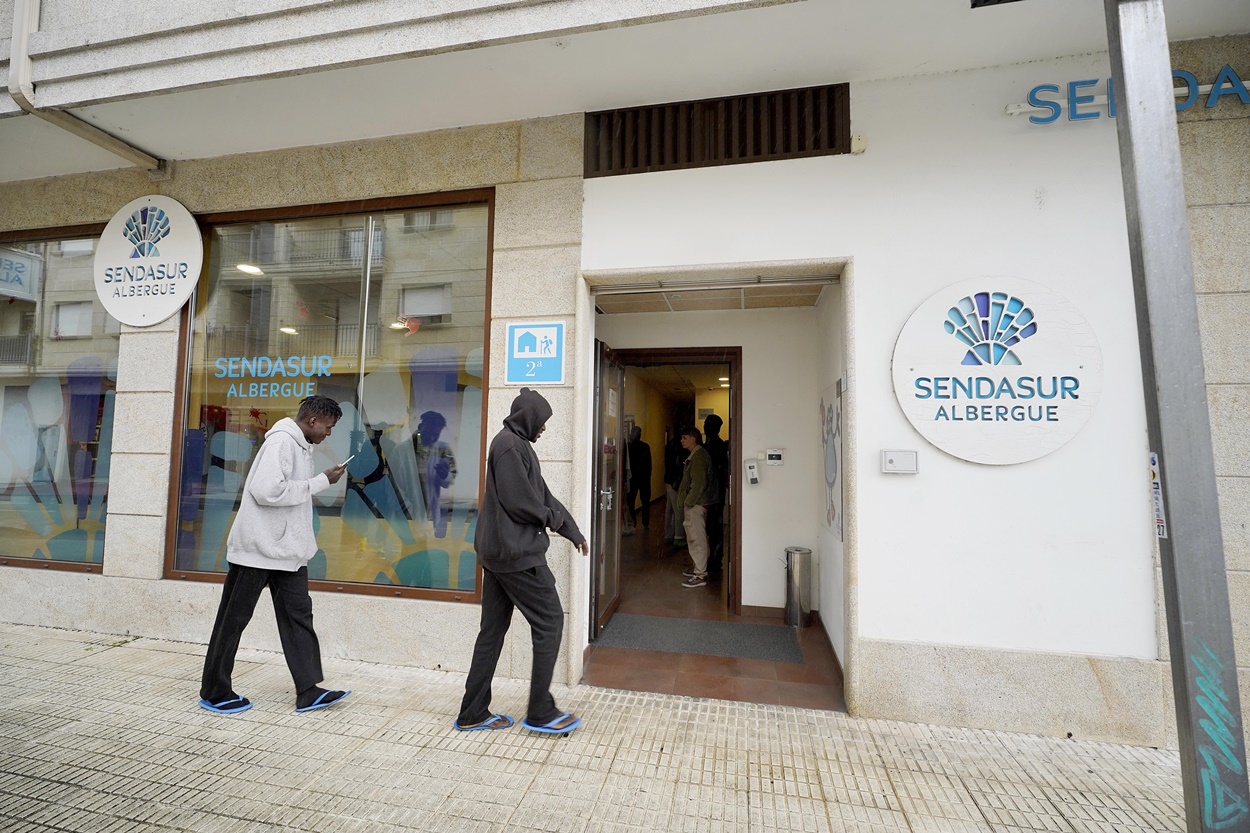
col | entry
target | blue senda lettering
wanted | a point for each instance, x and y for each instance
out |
(1227, 83)
(1045, 104)
(1074, 100)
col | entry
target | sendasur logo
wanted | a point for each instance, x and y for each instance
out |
(990, 324)
(145, 228)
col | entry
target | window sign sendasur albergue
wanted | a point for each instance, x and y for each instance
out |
(289, 309)
(58, 371)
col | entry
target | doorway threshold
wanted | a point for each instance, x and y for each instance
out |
(651, 585)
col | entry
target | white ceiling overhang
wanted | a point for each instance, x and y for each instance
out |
(411, 74)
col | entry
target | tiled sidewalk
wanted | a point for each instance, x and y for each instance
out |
(101, 735)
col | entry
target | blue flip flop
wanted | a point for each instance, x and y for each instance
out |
(231, 706)
(321, 702)
(550, 728)
(492, 723)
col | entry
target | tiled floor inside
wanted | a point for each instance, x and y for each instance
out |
(651, 585)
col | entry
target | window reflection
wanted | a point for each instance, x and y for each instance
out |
(394, 332)
(58, 366)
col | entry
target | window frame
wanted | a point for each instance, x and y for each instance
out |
(207, 222)
(51, 234)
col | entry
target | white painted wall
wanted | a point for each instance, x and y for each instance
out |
(830, 552)
(776, 371)
(1053, 555)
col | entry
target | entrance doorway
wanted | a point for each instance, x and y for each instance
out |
(655, 393)
(640, 574)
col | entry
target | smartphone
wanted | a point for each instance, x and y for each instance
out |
(345, 462)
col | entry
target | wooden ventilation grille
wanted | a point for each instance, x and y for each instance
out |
(814, 121)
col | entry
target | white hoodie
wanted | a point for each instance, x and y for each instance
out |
(273, 529)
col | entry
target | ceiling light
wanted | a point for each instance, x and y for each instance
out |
(725, 385)
(289, 331)
(249, 268)
(724, 378)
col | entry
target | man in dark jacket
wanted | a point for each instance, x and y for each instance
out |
(639, 478)
(718, 451)
(674, 459)
(511, 542)
(697, 491)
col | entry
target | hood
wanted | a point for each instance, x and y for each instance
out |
(286, 425)
(529, 413)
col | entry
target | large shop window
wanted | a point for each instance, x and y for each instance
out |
(58, 371)
(384, 314)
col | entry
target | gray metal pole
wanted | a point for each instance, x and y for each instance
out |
(1195, 588)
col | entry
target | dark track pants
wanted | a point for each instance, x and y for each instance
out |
(533, 592)
(715, 536)
(645, 490)
(292, 607)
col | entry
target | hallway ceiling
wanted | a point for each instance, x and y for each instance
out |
(768, 48)
(680, 382)
(705, 299)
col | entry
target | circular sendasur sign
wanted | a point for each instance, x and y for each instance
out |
(148, 260)
(997, 370)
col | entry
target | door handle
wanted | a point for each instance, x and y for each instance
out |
(605, 499)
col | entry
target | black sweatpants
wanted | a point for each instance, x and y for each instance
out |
(634, 491)
(533, 592)
(715, 536)
(292, 607)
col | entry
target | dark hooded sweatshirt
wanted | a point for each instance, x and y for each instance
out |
(518, 508)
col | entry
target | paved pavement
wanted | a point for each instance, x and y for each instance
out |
(101, 734)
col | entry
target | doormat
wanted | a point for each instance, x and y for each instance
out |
(697, 636)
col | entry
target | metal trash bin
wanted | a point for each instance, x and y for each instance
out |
(798, 587)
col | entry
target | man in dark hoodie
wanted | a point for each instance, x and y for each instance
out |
(511, 542)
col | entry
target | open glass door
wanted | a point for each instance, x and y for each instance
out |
(605, 564)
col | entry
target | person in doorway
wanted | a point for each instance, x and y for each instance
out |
(674, 457)
(639, 479)
(270, 544)
(718, 451)
(511, 543)
(697, 491)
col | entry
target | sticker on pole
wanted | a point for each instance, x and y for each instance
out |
(535, 354)
(148, 261)
(1156, 491)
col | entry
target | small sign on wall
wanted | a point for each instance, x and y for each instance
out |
(535, 354)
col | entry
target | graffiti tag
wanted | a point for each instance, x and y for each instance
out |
(1223, 803)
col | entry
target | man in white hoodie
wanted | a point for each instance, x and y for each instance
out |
(270, 544)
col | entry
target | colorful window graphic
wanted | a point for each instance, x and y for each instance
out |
(387, 317)
(56, 404)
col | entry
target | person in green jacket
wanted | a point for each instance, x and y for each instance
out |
(697, 491)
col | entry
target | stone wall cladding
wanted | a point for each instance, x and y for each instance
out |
(1217, 193)
(1093, 698)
